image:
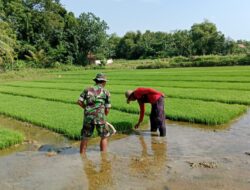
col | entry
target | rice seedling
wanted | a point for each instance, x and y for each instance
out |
(60, 117)
(9, 137)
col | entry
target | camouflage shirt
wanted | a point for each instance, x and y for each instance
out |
(95, 99)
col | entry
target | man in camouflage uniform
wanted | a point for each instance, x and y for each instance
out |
(95, 101)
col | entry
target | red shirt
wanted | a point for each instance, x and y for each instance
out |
(146, 95)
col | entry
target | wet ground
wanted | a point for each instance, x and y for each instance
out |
(190, 157)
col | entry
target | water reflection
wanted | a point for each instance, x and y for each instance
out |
(99, 175)
(151, 161)
(221, 127)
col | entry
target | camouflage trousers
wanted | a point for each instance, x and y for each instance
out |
(88, 130)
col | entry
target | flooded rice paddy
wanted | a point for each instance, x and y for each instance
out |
(189, 157)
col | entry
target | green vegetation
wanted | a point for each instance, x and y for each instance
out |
(42, 34)
(194, 111)
(210, 96)
(27, 74)
(59, 117)
(9, 138)
(210, 113)
(197, 61)
(47, 35)
(179, 85)
(7, 44)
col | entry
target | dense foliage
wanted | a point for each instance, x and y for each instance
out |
(196, 61)
(47, 34)
(201, 39)
(42, 33)
(7, 44)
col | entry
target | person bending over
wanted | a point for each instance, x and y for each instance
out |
(156, 99)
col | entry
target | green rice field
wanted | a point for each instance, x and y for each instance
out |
(209, 96)
(9, 138)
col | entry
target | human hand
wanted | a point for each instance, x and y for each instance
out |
(137, 125)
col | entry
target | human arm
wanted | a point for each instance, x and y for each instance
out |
(142, 112)
(81, 104)
(107, 103)
(80, 101)
(107, 111)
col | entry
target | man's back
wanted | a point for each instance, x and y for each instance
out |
(96, 104)
(96, 98)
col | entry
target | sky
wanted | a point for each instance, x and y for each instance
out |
(230, 16)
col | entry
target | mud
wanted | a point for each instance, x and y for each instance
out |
(190, 157)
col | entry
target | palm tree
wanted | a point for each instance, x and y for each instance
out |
(39, 57)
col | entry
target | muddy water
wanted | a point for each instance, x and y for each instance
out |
(34, 136)
(190, 157)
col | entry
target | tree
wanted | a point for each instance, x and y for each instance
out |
(7, 44)
(70, 39)
(91, 35)
(148, 44)
(112, 43)
(2, 14)
(15, 15)
(206, 39)
(182, 43)
(128, 46)
(38, 58)
(230, 47)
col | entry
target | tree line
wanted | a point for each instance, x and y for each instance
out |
(202, 39)
(44, 33)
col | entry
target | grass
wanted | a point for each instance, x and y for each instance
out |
(9, 138)
(27, 74)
